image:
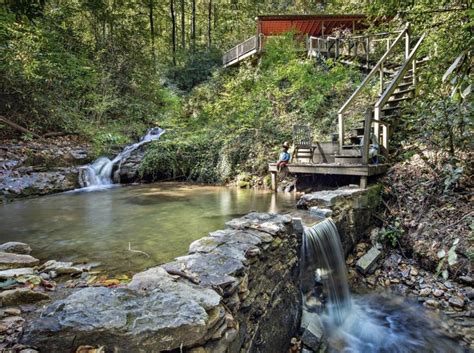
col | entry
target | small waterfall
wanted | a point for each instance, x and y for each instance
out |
(99, 173)
(322, 256)
(362, 324)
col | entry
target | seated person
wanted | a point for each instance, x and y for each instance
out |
(284, 157)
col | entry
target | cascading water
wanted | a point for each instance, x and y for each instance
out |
(99, 173)
(363, 324)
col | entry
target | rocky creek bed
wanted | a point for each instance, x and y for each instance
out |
(30, 168)
(236, 290)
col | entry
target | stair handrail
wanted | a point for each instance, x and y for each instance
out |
(385, 96)
(399, 76)
(374, 70)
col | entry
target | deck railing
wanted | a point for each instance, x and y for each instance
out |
(361, 47)
(251, 45)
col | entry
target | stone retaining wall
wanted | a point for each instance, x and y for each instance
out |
(236, 291)
(350, 208)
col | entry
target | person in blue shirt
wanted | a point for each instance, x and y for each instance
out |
(284, 157)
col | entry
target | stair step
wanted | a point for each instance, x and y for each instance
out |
(405, 84)
(348, 159)
(391, 108)
(403, 91)
(398, 99)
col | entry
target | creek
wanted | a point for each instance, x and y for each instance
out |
(160, 219)
(361, 323)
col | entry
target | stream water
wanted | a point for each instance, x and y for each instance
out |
(99, 175)
(362, 323)
(159, 219)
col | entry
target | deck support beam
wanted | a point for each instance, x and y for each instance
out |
(363, 182)
(274, 181)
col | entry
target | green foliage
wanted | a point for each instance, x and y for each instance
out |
(243, 115)
(194, 69)
(392, 233)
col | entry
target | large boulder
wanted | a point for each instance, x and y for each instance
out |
(155, 312)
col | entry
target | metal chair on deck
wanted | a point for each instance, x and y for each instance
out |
(302, 140)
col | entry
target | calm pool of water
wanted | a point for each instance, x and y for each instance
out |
(160, 219)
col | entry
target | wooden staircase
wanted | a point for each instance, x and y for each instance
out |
(397, 81)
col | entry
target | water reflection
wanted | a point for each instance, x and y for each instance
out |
(160, 219)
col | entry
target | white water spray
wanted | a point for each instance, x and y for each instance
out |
(99, 173)
(363, 324)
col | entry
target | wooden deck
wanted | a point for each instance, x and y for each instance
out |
(361, 170)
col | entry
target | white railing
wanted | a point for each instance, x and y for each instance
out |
(250, 45)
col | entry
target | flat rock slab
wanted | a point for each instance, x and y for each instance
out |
(368, 262)
(10, 260)
(270, 223)
(15, 247)
(15, 272)
(326, 198)
(157, 278)
(320, 212)
(121, 320)
(313, 333)
(20, 296)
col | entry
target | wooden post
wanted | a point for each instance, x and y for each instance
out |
(407, 44)
(377, 114)
(341, 131)
(381, 78)
(363, 182)
(367, 49)
(274, 181)
(367, 128)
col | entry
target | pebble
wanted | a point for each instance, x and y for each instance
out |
(12, 311)
(466, 279)
(438, 293)
(413, 272)
(395, 280)
(456, 302)
(425, 292)
(432, 303)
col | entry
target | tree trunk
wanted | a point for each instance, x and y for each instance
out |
(173, 31)
(152, 31)
(209, 24)
(193, 25)
(183, 29)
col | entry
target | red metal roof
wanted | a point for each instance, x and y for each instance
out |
(313, 25)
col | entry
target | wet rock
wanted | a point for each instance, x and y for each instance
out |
(157, 278)
(456, 302)
(121, 320)
(320, 212)
(425, 292)
(29, 350)
(21, 296)
(326, 198)
(313, 333)
(432, 303)
(15, 247)
(466, 279)
(60, 267)
(368, 262)
(15, 272)
(10, 260)
(12, 311)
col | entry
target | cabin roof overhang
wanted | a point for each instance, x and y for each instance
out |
(312, 25)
